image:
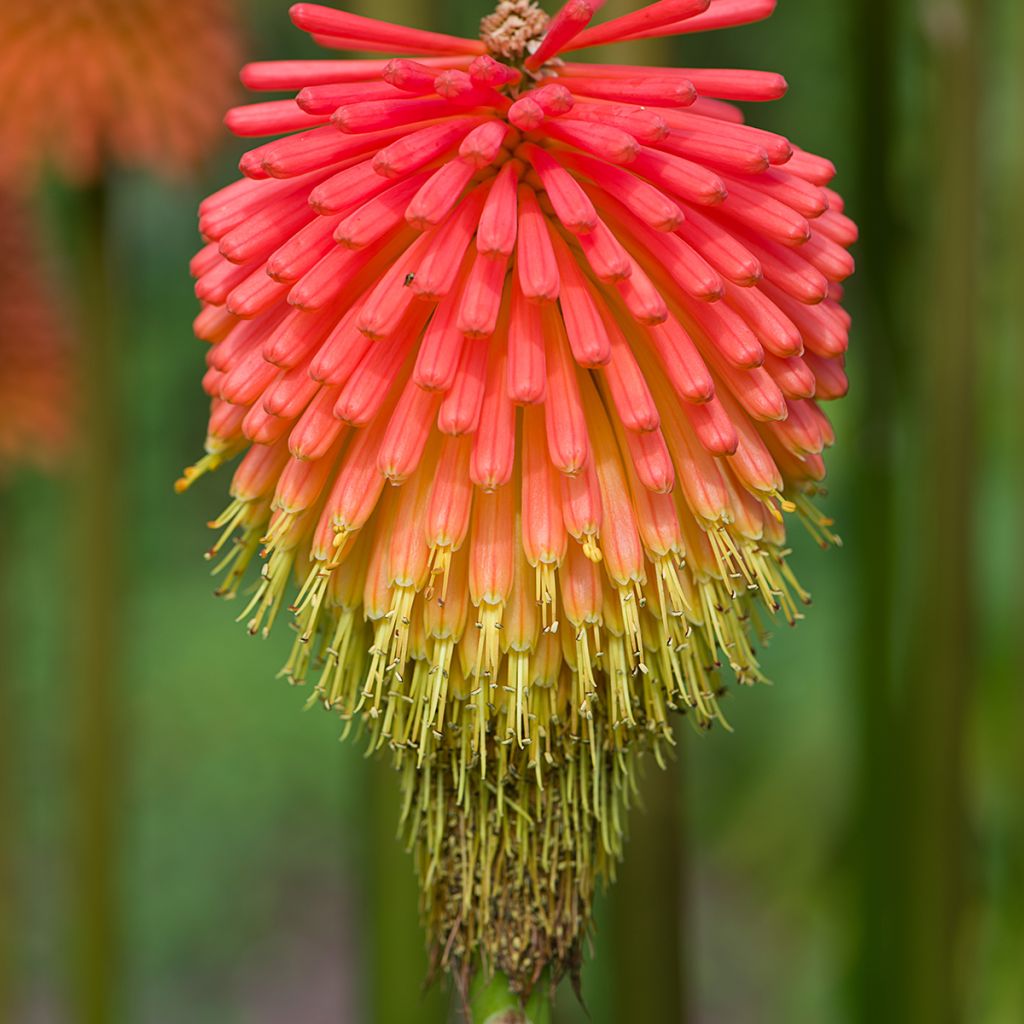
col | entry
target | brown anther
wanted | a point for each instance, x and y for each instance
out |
(509, 31)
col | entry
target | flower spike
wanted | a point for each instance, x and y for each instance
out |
(527, 358)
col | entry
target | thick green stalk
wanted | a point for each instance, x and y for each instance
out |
(940, 659)
(873, 527)
(912, 816)
(999, 985)
(98, 579)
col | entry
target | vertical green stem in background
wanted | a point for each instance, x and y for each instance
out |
(646, 921)
(397, 967)
(873, 527)
(8, 803)
(941, 659)
(999, 761)
(647, 908)
(99, 608)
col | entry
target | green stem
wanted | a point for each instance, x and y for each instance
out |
(647, 903)
(99, 639)
(872, 530)
(913, 803)
(8, 765)
(941, 658)
(397, 967)
(492, 1002)
(999, 988)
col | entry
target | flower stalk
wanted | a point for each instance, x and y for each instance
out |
(875, 516)
(492, 1001)
(96, 736)
(941, 657)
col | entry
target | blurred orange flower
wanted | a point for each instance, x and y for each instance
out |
(35, 384)
(140, 82)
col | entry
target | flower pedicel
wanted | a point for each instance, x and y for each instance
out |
(525, 356)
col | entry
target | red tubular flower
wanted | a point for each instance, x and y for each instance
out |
(526, 357)
(141, 82)
(35, 386)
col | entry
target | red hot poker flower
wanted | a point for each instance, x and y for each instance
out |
(526, 356)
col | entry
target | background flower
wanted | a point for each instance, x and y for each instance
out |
(36, 396)
(139, 82)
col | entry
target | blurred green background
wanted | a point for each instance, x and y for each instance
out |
(853, 852)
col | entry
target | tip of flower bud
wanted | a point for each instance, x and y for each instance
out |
(513, 29)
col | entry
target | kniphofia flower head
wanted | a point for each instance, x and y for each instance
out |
(139, 82)
(525, 355)
(35, 380)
